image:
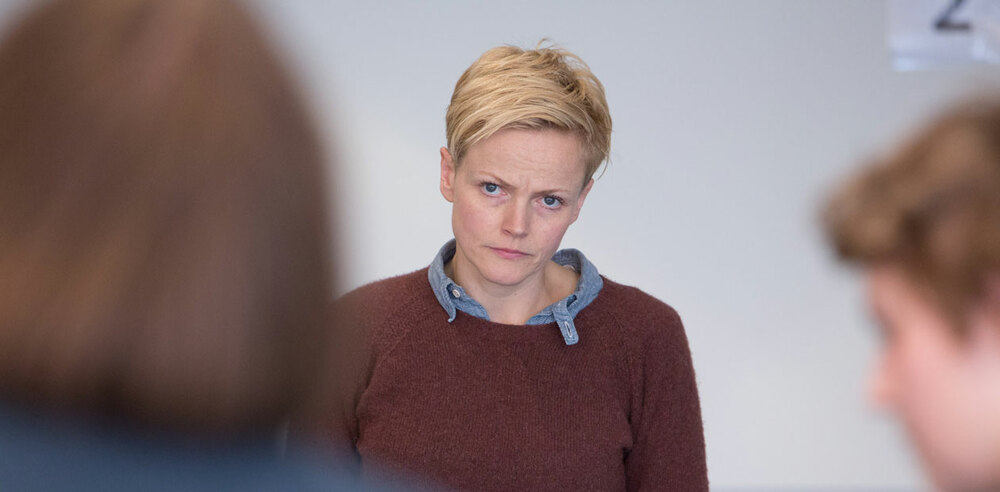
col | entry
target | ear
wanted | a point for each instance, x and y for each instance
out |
(991, 292)
(982, 347)
(984, 315)
(581, 198)
(447, 175)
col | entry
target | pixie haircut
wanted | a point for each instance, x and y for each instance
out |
(508, 87)
(932, 208)
(163, 246)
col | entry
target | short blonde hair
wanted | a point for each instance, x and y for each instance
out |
(508, 87)
(933, 207)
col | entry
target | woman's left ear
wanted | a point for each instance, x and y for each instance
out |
(447, 175)
(989, 302)
(984, 316)
(581, 198)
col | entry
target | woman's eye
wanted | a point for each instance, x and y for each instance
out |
(491, 188)
(551, 202)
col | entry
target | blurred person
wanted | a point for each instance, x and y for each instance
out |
(164, 262)
(924, 223)
(508, 364)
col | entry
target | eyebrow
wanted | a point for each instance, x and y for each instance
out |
(497, 179)
(553, 192)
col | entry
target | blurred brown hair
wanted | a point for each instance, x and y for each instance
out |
(933, 207)
(162, 245)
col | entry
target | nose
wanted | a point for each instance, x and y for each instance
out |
(516, 219)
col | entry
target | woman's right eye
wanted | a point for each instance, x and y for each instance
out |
(491, 188)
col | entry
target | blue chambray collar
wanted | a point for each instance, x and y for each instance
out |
(453, 297)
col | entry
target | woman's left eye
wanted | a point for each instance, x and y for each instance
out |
(552, 201)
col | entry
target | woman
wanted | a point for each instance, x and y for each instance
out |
(506, 364)
(164, 270)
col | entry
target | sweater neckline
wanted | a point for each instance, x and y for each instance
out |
(537, 333)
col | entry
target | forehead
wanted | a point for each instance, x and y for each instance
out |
(529, 155)
(889, 291)
(900, 303)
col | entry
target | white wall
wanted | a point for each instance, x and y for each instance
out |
(731, 119)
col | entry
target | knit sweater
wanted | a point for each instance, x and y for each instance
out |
(478, 405)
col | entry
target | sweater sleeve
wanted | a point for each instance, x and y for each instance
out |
(668, 451)
(330, 423)
(355, 364)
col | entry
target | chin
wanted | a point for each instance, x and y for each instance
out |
(963, 483)
(961, 473)
(503, 278)
(502, 274)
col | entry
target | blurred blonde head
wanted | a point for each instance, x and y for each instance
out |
(163, 254)
(508, 87)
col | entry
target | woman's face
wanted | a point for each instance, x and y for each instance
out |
(514, 195)
(944, 389)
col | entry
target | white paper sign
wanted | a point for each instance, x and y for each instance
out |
(939, 33)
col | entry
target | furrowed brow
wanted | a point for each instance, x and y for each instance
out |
(555, 191)
(495, 178)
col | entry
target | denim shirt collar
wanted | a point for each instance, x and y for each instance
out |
(453, 297)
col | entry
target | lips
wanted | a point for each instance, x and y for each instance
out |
(509, 254)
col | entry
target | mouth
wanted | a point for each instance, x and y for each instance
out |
(509, 254)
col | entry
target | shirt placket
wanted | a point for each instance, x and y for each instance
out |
(566, 325)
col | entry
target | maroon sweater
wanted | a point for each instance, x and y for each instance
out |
(477, 405)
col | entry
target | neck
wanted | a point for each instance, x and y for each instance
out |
(514, 304)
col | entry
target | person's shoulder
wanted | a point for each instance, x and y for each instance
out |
(650, 329)
(111, 455)
(636, 308)
(385, 309)
(392, 287)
